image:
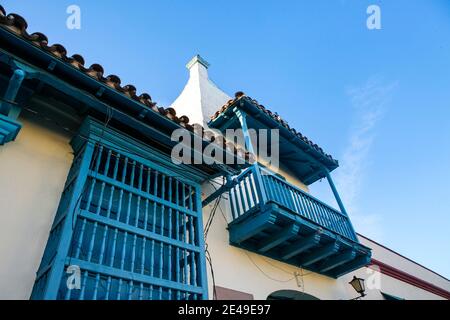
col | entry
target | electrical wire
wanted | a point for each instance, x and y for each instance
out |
(213, 277)
(206, 232)
(264, 273)
(284, 270)
(211, 217)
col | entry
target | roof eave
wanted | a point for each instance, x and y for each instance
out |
(252, 109)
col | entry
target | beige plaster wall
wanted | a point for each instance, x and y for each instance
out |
(33, 170)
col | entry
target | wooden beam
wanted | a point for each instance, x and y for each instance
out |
(315, 172)
(279, 237)
(300, 246)
(241, 231)
(320, 254)
(7, 104)
(349, 267)
(242, 116)
(338, 260)
(296, 160)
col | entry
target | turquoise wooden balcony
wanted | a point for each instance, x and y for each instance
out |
(276, 219)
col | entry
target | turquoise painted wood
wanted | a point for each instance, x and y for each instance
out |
(9, 126)
(133, 227)
(7, 103)
(276, 219)
(271, 188)
(9, 129)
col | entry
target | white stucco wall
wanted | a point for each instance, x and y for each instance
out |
(33, 170)
(200, 98)
(404, 264)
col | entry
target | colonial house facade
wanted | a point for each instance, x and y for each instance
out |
(94, 207)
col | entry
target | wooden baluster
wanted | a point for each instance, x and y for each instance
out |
(119, 289)
(133, 253)
(130, 289)
(322, 218)
(113, 188)
(185, 271)
(169, 265)
(130, 194)
(124, 247)
(91, 245)
(152, 258)
(306, 210)
(155, 190)
(232, 203)
(236, 202)
(251, 179)
(146, 202)
(113, 250)
(97, 280)
(102, 188)
(161, 259)
(102, 249)
(241, 195)
(297, 206)
(183, 194)
(83, 285)
(93, 180)
(163, 190)
(141, 291)
(138, 206)
(124, 176)
(193, 269)
(177, 230)
(108, 288)
(80, 239)
(144, 240)
(247, 192)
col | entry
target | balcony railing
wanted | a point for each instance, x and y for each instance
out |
(249, 194)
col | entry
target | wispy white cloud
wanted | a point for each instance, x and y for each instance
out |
(369, 104)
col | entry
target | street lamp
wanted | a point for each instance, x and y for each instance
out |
(358, 285)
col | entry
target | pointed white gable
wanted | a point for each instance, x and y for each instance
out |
(200, 98)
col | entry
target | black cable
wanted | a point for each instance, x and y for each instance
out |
(213, 277)
(211, 217)
(207, 228)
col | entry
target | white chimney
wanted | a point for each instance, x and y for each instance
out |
(200, 98)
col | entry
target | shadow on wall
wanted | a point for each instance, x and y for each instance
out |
(290, 295)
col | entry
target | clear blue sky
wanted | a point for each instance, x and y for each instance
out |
(379, 101)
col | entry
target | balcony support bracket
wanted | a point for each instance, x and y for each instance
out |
(319, 254)
(337, 261)
(278, 238)
(256, 224)
(349, 267)
(300, 246)
(230, 183)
